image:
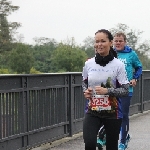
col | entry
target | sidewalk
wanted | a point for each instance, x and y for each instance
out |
(139, 131)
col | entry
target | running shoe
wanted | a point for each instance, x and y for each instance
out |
(121, 146)
(100, 144)
(127, 140)
(104, 140)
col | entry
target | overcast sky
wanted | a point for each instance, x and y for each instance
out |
(62, 19)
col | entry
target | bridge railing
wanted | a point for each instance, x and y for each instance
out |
(36, 109)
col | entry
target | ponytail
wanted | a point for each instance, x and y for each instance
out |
(113, 52)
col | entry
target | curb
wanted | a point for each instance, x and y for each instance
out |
(139, 114)
(57, 142)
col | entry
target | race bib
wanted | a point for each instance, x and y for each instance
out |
(100, 102)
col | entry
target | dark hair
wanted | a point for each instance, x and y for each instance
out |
(113, 52)
(109, 35)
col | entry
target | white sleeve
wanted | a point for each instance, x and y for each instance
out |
(85, 72)
(122, 75)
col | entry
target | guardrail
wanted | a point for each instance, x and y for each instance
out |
(36, 109)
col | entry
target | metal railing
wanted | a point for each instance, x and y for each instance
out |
(36, 109)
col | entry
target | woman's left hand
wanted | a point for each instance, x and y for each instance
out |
(100, 90)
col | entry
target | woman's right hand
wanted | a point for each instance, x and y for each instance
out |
(88, 93)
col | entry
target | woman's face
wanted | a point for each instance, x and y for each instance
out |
(102, 44)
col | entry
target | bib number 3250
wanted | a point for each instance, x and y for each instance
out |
(100, 102)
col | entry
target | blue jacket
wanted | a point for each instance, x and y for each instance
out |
(132, 63)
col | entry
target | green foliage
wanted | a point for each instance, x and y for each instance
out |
(5, 38)
(89, 47)
(89, 51)
(6, 7)
(34, 71)
(4, 71)
(7, 29)
(144, 59)
(42, 53)
(61, 71)
(3, 60)
(21, 59)
(68, 58)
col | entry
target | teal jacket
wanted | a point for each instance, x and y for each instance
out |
(132, 63)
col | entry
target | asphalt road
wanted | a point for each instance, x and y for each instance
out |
(139, 131)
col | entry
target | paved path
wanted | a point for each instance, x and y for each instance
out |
(139, 130)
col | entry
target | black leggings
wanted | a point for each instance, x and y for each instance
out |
(91, 126)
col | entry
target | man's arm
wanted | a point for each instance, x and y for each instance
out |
(137, 65)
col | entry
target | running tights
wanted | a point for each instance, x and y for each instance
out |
(91, 126)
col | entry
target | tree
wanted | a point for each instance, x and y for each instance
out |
(133, 36)
(42, 53)
(143, 53)
(44, 41)
(6, 7)
(7, 29)
(21, 59)
(68, 58)
(88, 46)
(5, 37)
(133, 40)
(144, 48)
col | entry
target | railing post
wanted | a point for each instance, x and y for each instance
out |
(71, 105)
(141, 93)
(24, 124)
